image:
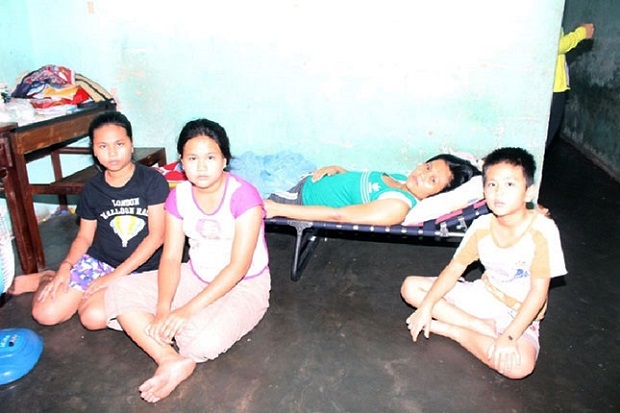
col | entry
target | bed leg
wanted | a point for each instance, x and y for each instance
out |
(305, 243)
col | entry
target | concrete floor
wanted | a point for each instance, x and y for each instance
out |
(336, 341)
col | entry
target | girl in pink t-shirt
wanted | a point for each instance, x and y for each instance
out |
(208, 303)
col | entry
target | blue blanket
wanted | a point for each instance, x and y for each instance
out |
(271, 173)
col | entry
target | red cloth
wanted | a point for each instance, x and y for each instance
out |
(79, 97)
(173, 172)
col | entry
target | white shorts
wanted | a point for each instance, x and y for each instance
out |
(474, 298)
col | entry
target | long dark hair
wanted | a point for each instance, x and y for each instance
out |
(205, 127)
(110, 118)
(462, 170)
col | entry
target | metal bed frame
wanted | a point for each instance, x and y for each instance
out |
(449, 226)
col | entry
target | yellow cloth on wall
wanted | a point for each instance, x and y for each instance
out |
(567, 42)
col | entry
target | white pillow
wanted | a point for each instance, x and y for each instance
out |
(441, 204)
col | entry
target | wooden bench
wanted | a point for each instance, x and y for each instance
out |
(51, 137)
(73, 184)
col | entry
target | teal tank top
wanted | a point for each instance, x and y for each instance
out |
(353, 188)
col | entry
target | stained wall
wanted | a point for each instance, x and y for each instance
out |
(369, 85)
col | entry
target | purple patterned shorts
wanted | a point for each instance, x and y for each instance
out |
(87, 270)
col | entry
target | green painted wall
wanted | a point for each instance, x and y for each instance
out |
(381, 85)
(593, 106)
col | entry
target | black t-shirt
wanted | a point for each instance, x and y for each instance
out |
(122, 214)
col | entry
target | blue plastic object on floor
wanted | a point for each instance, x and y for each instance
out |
(20, 349)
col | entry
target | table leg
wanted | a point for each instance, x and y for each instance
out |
(21, 210)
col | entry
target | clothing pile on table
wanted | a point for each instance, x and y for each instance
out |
(48, 92)
(53, 85)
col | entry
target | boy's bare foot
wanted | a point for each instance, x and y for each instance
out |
(167, 377)
(485, 327)
(29, 283)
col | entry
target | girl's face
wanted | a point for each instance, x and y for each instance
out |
(112, 147)
(203, 162)
(429, 178)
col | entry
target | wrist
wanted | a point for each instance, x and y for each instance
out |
(510, 337)
(66, 262)
(581, 32)
(162, 309)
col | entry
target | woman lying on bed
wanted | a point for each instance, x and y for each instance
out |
(376, 198)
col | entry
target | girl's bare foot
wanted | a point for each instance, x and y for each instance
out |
(29, 283)
(167, 377)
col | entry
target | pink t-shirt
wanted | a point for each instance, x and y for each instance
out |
(211, 236)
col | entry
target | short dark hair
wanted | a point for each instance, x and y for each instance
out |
(513, 156)
(205, 127)
(462, 170)
(110, 118)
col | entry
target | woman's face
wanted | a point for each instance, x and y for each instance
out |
(429, 178)
(203, 162)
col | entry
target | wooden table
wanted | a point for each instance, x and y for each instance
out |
(18, 146)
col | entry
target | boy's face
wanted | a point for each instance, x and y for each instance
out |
(506, 190)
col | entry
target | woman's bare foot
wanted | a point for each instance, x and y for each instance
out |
(270, 206)
(167, 377)
(542, 210)
(29, 283)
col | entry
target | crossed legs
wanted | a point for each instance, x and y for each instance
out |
(475, 334)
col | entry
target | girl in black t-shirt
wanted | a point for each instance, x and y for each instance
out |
(121, 230)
